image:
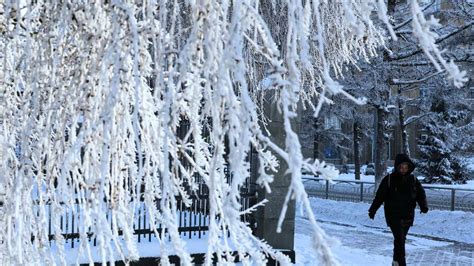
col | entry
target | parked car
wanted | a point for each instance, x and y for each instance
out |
(370, 169)
(344, 169)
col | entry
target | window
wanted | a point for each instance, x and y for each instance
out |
(332, 122)
(330, 152)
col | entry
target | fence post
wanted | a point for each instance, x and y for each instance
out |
(327, 189)
(453, 195)
(361, 191)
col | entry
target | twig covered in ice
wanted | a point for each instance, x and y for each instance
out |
(94, 96)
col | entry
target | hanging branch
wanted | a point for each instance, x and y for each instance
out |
(408, 54)
(93, 97)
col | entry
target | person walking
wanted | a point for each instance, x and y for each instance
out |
(399, 192)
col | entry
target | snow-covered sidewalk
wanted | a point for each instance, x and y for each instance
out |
(437, 238)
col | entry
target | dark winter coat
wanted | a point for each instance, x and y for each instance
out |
(399, 194)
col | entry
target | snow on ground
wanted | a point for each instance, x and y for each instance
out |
(469, 185)
(146, 249)
(361, 241)
(351, 177)
(369, 242)
(348, 177)
(452, 225)
(346, 255)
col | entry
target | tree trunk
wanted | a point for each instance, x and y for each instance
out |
(380, 157)
(391, 6)
(381, 148)
(356, 129)
(403, 127)
(316, 125)
(315, 147)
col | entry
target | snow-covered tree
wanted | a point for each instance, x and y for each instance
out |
(94, 93)
(392, 82)
(444, 135)
(412, 71)
(439, 107)
(340, 126)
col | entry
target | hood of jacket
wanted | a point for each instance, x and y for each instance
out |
(403, 158)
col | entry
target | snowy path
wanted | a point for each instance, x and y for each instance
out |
(365, 244)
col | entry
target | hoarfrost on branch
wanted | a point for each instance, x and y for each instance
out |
(93, 95)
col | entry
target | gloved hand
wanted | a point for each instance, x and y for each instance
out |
(371, 215)
(423, 209)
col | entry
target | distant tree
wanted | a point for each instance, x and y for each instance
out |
(390, 79)
(440, 145)
(412, 71)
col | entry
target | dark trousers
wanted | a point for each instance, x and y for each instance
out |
(399, 231)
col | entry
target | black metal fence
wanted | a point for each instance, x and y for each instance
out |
(439, 197)
(193, 220)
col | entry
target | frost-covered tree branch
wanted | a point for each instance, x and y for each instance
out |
(94, 95)
(438, 40)
(414, 81)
